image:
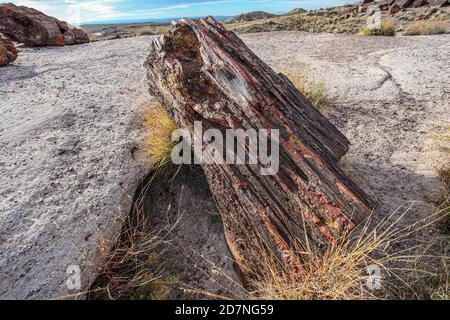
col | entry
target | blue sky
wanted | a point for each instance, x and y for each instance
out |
(82, 11)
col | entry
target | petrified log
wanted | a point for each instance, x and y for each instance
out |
(8, 52)
(34, 28)
(201, 72)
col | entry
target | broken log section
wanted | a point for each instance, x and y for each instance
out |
(199, 71)
(34, 28)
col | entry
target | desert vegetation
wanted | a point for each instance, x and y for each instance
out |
(426, 28)
(348, 19)
(130, 269)
(386, 260)
(347, 271)
(387, 29)
(158, 135)
(314, 91)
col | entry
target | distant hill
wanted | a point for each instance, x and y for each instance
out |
(295, 11)
(252, 16)
(261, 15)
(350, 19)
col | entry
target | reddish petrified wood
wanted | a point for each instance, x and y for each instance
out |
(34, 28)
(8, 52)
(201, 72)
(72, 35)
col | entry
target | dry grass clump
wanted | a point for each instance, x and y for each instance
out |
(441, 199)
(131, 267)
(341, 274)
(435, 284)
(158, 136)
(426, 28)
(130, 263)
(387, 29)
(364, 266)
(313, 91)
(444, 223)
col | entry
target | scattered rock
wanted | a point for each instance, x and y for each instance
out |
(403, 4)
(438, 3)
(394, 9)
(428, 13)
(419, 3)
(34, 28)
(8, 52)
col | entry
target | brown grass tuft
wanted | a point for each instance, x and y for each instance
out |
(130, 263)
(131, 267)
(426, 28)
(441, 200)
(349, 268)
(387, 29)
(313, 91)
(158, 136)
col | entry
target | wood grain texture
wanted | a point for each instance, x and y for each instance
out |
(201, 72)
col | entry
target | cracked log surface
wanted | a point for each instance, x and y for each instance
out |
(201, 72)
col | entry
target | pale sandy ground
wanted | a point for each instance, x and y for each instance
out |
(388, 95)
(70, 126)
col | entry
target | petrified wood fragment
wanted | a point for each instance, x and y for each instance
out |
(34, 28)
(8, 52)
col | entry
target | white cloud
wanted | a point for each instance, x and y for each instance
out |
(76, 11)
(79, 11)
